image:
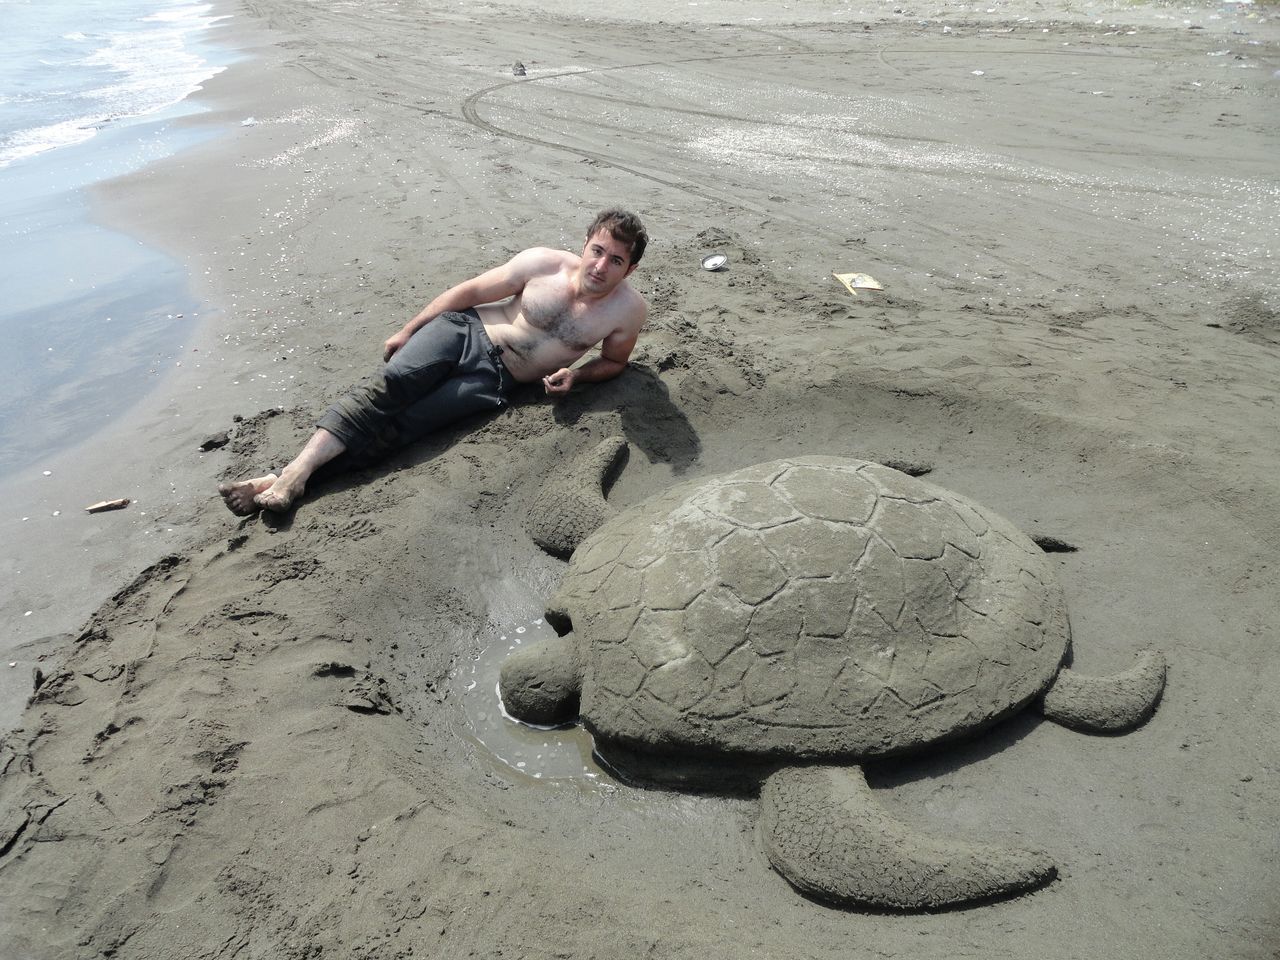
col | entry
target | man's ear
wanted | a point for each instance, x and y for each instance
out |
(630, 270)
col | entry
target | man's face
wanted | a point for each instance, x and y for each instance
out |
(606, 262)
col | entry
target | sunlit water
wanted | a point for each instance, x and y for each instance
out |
(89, 90)
(538, 753)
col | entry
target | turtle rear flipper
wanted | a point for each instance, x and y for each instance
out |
(823, 830)
(572, 504)
(1106, 704)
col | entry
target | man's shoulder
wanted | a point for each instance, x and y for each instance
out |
(545, 259)
(632, 303)
(634, 296)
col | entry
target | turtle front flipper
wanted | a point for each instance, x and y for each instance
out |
(1107, 704)
(571, 504)
(823, 830)
(542, 683)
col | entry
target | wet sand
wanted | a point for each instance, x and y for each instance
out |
(259, 740)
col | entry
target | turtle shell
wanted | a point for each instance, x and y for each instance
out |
(814, 607)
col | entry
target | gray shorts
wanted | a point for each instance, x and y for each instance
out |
(448, 369)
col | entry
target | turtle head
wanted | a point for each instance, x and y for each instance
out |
(542, 683)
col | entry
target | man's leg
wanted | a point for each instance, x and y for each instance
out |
(278, 493)
(478, 382)
(363, 422)
(366, 419)
(319, 450)
(447, 370)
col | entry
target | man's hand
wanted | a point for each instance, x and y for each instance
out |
(560, 382)
(394, 343)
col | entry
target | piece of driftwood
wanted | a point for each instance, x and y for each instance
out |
(104, 505)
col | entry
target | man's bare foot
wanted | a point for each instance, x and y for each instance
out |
(239, 497)
(280, 495)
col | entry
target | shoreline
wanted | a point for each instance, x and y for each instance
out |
(93, 308)
(63, 563)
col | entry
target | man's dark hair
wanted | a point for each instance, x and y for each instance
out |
(623, 226)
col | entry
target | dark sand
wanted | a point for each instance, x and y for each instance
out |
(1079, 329)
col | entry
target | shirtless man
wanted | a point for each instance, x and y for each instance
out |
(531, 318)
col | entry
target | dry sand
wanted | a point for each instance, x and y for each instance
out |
(258, 746)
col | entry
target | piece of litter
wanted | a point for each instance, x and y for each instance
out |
(103, 505)
(714, 262)
(28, 613)
(978, 73)
(57, 513)
(249, 122)
(48, 473)
(853, 282)
(12, 664)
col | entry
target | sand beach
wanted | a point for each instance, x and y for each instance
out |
(277, 736)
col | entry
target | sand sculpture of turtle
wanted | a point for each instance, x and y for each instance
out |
(817, 613)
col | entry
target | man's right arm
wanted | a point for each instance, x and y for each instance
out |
(496, 284)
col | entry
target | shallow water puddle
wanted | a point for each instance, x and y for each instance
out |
(542, 753)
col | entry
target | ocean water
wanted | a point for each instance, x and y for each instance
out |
(89, 90)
